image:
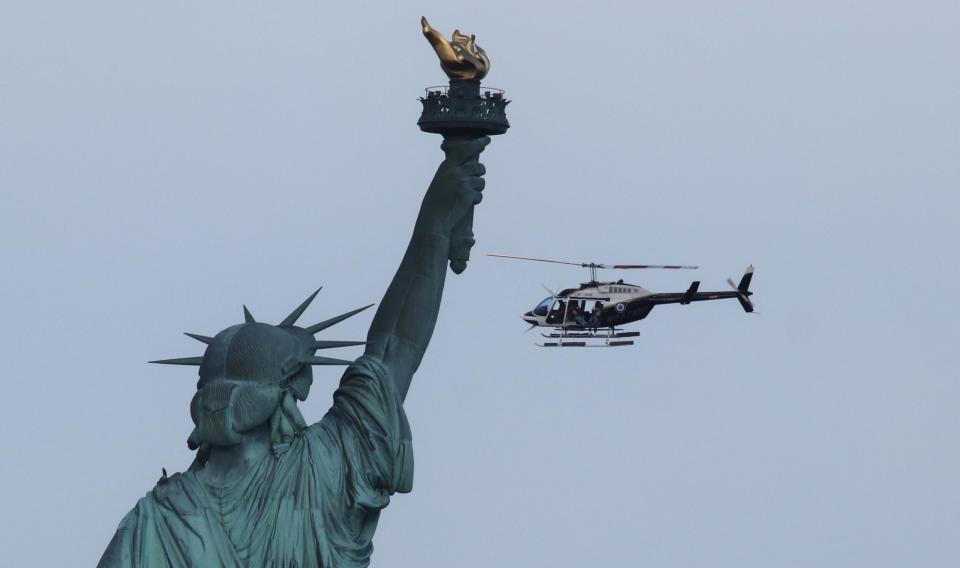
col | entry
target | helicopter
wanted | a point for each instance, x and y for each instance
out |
(595, 310)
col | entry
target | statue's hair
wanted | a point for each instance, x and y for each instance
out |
(253, 373)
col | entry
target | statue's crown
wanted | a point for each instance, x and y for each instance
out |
(262, 353)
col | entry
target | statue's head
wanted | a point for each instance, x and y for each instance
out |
(251, 376)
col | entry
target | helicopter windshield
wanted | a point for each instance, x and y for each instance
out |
(543, 307)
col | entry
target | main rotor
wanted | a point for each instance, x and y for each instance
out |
(594, 266)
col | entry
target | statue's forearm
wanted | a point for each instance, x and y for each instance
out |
(404, 322)
(402, 327)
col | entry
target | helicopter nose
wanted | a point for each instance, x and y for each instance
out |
(528, 317)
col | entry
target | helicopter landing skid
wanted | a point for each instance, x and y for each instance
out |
(581, 338)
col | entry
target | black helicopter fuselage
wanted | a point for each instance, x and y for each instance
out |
(611, 304)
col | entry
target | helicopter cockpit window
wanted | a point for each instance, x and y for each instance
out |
(543, 307)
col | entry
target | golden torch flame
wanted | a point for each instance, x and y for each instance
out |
(461, 57)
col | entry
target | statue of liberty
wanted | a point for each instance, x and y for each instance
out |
(265, 488)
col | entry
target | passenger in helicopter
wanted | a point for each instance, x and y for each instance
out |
(575, 314)
(595, 316)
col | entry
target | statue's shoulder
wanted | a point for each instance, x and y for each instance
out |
(366, 366)
(170, 517)
(179, 493)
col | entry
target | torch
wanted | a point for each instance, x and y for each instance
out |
(461, 112)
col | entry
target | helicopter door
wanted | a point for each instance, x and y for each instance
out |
(555, 317)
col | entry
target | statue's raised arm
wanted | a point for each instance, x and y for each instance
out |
(406, 317)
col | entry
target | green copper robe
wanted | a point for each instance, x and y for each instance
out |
(317, 503)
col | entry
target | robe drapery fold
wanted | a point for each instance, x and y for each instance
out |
(314, 505)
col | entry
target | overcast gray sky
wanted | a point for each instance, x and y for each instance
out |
(161, 165)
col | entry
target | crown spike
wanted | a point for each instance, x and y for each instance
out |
(194, 361)
(247, 316)
(334, 344)
(325, 361)
(333, 321)
(200, 338)
(295, 314)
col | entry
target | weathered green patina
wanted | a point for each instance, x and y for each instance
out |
(266, 489)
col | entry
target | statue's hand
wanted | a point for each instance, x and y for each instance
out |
(456, 187)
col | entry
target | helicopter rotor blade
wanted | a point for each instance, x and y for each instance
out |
(597, 264)
(552, 293)
(659, 266)
(526, 331)
(536, 259)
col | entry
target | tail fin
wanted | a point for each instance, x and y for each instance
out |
(743, 290)
(744, 285)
